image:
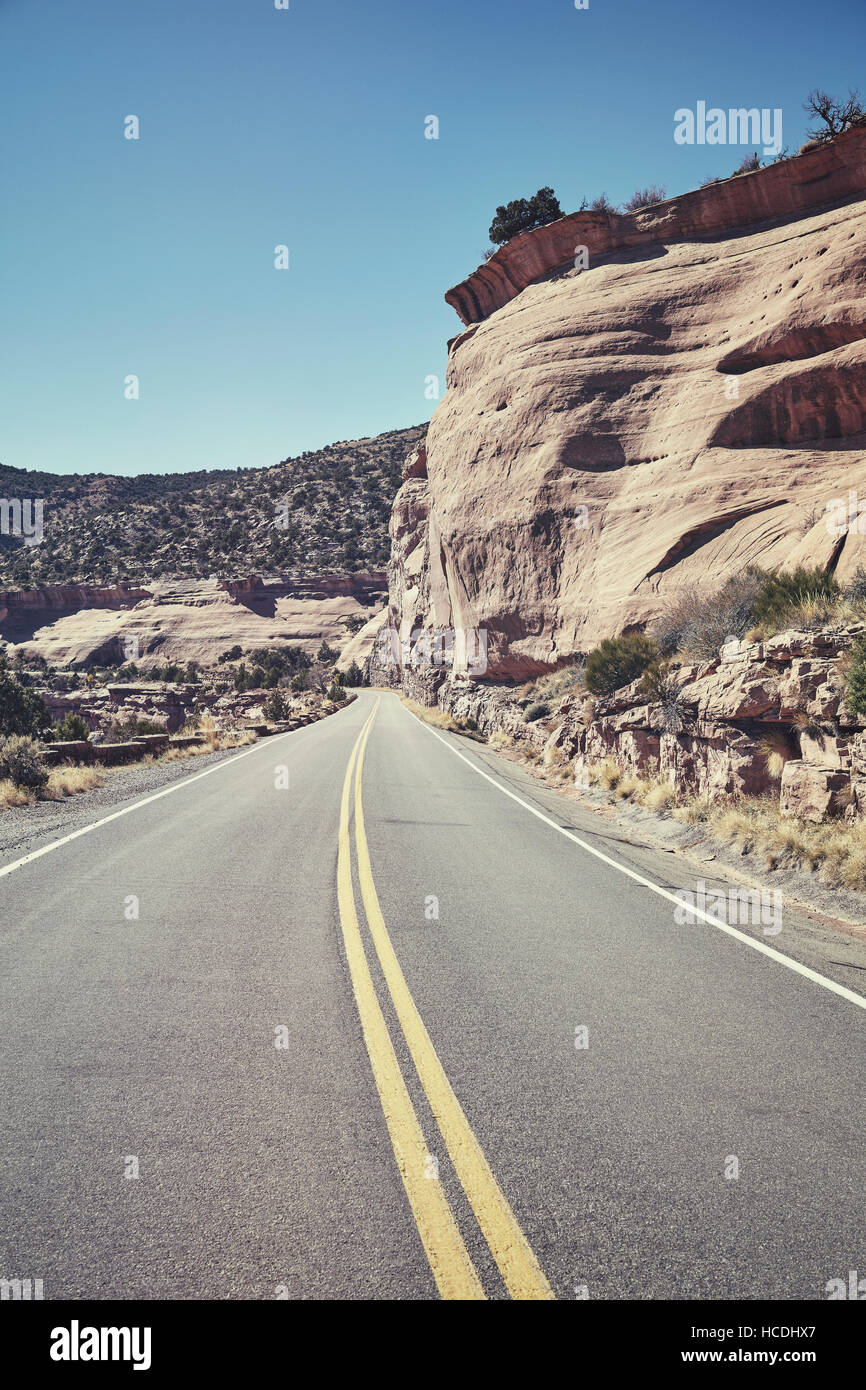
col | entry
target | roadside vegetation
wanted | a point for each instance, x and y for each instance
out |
(830, 116)
(754, 605)
(28, 773)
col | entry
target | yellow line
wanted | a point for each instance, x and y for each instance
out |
(449, 1259)
(511, 1250)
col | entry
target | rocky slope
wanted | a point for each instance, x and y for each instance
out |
(690, 404)
(713, 738)
(326, 511)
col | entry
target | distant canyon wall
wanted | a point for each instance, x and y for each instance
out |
(187, 620)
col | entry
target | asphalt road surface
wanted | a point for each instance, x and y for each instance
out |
(348, 1016)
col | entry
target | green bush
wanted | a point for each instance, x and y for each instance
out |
(21, 711)
(855, 678)
(354, 675)
(780, 595)
(19, 761)
(276, 706)
(71, 729)
(523, 214)
(538, 710)
(618, 661)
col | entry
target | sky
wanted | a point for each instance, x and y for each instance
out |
(305, 128)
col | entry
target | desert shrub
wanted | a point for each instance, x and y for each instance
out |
(336, 693)
(233, 654)
(299, 682)
(855, 677)
(10, 795)
(354, 675)
(276, 706)
(20, 763)
(776, 750)
(618, 661)
(834, 115)
(645, 197)
(749, 164)
(698, 624)
(522, 214)
(21, 711)
(537, 710)
(602, 204)
(855, 591)
(661, 686)
(556, 685)
(781, 595)
(135, 726)
(71, 729)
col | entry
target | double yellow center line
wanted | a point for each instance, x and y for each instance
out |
(453, 1270)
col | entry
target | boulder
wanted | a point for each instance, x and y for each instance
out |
(813, 793)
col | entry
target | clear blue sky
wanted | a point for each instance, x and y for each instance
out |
(306, 127)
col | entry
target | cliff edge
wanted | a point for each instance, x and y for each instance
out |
(693, 402)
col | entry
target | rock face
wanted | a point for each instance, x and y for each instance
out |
(692, 403)
(186, 620)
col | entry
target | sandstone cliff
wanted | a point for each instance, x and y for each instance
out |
(186, 620)
(691, 403)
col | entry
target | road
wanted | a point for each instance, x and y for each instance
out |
(343, 1049)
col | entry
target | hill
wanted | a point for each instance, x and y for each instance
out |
(325, 511)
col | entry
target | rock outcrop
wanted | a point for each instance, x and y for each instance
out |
(832, 172)
(186, 620)
(692, 403)
(763, 718)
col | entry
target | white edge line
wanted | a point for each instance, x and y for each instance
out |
(795, 965)
(146, 801)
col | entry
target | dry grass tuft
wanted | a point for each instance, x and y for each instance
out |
(10, 795)
(69, 781)
(568, 680)
(659, 796)
(440, 718)
(607, 773)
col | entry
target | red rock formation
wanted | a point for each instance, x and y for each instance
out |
(832, 172)
(688, 406)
